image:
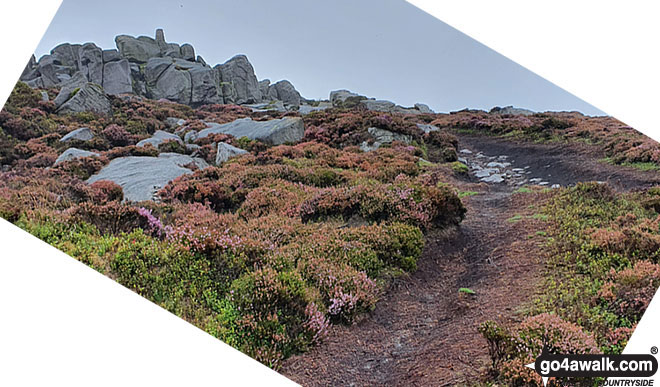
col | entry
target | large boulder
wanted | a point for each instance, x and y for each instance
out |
(89, 98)
(168, 80)
(111, 56)
(80, 134)
(204, 86)
(69, 87)
(136, 49)
(238, 81)
(264, 88)
(378, 105)
(226, 152)
(276, 132)
(67, 54)
(181, 81)
(158, 138)
(74, 153)
(285, 92)
(141, 177)
(117, 77)
(187, 52)
(90, 62)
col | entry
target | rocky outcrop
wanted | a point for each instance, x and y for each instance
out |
(81, 134)
(391, 107)
(275, 132)
(511, 110)
(153, 68)
(226, 152)
(141, 177)
(345, 98)
(348, 99)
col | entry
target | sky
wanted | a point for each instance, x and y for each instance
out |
(387, 49)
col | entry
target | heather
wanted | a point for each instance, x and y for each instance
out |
(269, 249)
(602, 271)
(265, 251)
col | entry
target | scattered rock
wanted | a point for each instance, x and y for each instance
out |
(496, 178)
(383, 136)
(81, 134)
(465, 151)
(494, 164)
(174, 122)
(158, 138)
(428, 128)
(226, 152)
(190, 136)
(485, 172)
(74, 153)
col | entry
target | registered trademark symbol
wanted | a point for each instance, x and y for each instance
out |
(654, 350)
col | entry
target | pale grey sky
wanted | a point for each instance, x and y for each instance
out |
(386, 49)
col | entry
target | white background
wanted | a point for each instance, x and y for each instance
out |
(61, 323)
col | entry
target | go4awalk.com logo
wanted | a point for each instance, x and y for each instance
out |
(629, 370)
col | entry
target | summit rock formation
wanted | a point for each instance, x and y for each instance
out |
(153, 68)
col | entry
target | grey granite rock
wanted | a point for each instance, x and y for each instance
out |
(117, 77)
(80, 134)
(276, 132)
(427, 128)
(89, 98)
(226, 152)
(136, 49)
(141, 177)
(90, 62)
(285, 92)
(158, 138)
(74, 153)
(239, 84)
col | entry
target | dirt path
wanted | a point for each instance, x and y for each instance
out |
(423, 332)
